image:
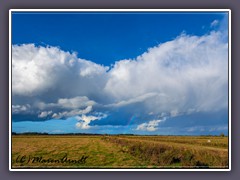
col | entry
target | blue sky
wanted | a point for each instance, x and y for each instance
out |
(142, 73)
(121, 35)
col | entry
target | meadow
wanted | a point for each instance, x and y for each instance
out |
(119, 151)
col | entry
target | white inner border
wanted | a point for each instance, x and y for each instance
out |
(118, 10)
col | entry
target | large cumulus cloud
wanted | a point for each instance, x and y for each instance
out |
(186, 75)
(42, 71)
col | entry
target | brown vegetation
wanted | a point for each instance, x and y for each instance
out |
(120, 151)
(172, 151)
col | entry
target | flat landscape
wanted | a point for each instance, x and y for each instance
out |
(119, 151)
(120, 89)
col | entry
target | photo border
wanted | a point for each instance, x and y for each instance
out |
(114, 11)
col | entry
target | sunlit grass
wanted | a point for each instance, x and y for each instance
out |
(119, 151)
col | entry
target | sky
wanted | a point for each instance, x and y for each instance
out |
(160, 73)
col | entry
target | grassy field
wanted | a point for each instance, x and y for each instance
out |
(59, 151)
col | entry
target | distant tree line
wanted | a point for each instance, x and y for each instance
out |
(96, 134)
(30, 133)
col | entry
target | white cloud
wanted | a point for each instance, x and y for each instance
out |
(76, 102)
(84, 120)
(44, 114)
(20, 108)
(150, 126)
(72, 113)
(174, 113)
(68, 103)
(65, 107)
(214, 23)
(89, 68)
(186, 75)
(36, 70)
(213, 128)
(137, 99)
(82, 125)
(219, 128)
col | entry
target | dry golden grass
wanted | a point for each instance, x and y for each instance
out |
(171, 151)
(100, 153)
(119, 151)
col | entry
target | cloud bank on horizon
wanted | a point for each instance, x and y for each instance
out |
(182, 77)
